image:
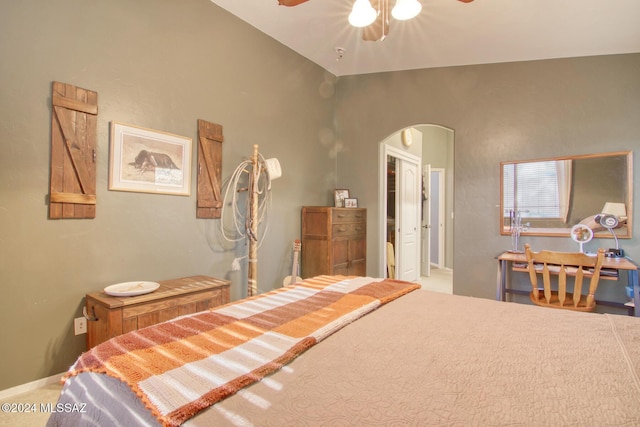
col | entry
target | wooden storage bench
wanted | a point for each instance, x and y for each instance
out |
(118, 315)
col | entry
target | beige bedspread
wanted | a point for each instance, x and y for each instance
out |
(434, 359)
(427, 359)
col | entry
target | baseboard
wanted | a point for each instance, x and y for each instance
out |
(33, 385)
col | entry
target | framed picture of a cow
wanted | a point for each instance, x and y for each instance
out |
(149, 161)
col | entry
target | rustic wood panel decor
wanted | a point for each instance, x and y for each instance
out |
(73, 152)
(209, 204)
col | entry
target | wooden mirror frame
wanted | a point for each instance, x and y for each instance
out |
(623, 231)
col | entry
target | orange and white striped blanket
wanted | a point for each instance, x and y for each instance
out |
(183, 366)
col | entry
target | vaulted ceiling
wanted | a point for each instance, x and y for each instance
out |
(448, 32)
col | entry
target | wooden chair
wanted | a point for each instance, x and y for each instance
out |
(564, 264)
(391, 261)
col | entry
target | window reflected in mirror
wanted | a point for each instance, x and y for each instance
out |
(550, 196)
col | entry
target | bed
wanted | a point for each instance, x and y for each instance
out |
(404, 356)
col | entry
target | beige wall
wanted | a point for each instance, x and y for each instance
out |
(438, 146)
(159, 64)
(498, 112)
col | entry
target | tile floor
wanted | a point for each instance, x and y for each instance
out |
(441, 280)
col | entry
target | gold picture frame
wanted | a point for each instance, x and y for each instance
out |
(149, 161)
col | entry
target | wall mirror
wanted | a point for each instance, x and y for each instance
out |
(547, 197)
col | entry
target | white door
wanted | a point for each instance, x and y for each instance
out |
(425, 234)
(408, 228)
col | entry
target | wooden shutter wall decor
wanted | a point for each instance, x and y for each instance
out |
(209, 204)
(73, 152)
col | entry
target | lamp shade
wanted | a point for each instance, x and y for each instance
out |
(362, 14)
(406, 9)
(617, 209)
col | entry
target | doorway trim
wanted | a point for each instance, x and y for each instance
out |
(425, 225)
(387, 150)
(441, 216)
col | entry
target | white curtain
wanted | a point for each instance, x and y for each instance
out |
(563, 168)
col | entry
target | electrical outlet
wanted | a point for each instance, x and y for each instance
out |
(79, 325)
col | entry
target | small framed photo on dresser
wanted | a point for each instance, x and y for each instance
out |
(350, 203)
(340, 195)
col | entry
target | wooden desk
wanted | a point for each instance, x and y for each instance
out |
(506, 262)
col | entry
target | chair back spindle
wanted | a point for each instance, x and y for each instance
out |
(563, 264)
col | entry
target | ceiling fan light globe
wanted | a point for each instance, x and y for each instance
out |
(406, 9)
(362, 14)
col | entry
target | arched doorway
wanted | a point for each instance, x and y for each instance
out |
(434, 149)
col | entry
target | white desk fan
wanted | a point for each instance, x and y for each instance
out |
(581, 234)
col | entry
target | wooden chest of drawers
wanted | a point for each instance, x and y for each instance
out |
(118, 315)
(334, 241)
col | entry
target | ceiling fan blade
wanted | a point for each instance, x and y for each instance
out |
(379, 29)
(290, 2)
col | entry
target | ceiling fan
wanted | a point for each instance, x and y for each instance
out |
(377, 27)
